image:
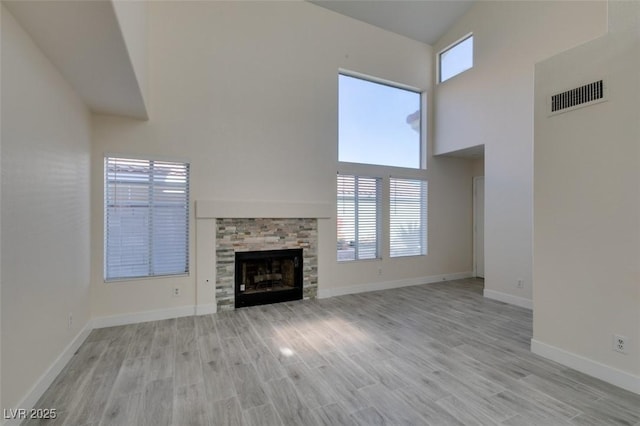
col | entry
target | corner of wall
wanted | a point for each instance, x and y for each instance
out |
(588, 290)
(46, 140)
(132, 20)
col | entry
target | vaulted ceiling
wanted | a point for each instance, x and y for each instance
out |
(83, 39)
(422, 20)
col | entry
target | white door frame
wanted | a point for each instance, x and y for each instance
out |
(475, 220)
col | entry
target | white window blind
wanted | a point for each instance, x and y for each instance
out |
(146, 218)
(407, 217)
(358, 217)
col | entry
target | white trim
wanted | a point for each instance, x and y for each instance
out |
(144, 157)
(205, 265)
(383, 81)
(475, 223)
(588, 366)
(376, 170)
(508, 298)
(47, 378)
(213, 209)
(424, 129)
(206, 309)
(136, 317)
(324, 293)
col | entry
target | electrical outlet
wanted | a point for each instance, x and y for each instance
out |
(620, 343)
(380, 270)
(520, 283)
(70, 321)
(176, 292)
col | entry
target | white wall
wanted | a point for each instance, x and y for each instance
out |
(587, 206)
(492, 104)
(247, 91)
(132, 18)
(1, 400)
(478, 166)
(88, 44)
(45, 213)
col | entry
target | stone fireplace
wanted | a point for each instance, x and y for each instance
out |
(241, 235)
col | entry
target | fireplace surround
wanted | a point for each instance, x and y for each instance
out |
(240, 235)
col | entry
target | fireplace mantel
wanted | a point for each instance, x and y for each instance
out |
(221, 209)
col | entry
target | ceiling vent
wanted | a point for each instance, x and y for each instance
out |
(582, 96)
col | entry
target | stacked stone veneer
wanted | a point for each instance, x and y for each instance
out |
(233, 235)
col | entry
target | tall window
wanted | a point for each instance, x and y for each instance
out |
(358, 217)
(146, 218)
(407, 217)
(456, 58)
(380, 135)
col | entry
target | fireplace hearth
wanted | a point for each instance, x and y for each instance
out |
(268, 276)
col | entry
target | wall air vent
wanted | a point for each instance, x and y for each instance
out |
(579, 97)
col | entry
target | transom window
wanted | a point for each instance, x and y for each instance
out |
(146, 212)
(456, 58)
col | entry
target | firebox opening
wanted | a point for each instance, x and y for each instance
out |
(272, 276)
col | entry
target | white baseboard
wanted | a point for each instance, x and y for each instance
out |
(134, 318)
(206, 309)
(508, 298)
(43, 383)
(588, 366)
(324, 293)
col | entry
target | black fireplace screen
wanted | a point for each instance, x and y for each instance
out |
(272, 276)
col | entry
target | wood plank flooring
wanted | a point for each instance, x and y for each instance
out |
(437, 354)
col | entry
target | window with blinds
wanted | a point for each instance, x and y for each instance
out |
(407, 217)
(146, 218)
(358, 217)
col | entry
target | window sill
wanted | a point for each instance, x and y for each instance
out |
(154, 277)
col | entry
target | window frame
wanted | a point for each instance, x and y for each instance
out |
(423, 118)
(187, 205)
(424, 217)
(378, 219)
(453, 46)
(385, 173)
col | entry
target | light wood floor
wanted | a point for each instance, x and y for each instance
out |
(437, 354)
